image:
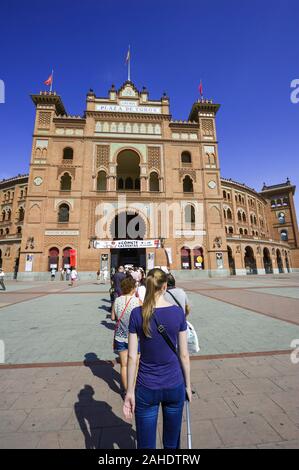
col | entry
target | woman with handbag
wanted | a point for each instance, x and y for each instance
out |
(163, 377)
(121, 311)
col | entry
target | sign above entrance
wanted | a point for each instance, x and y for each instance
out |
(128, 108)
(127, 243)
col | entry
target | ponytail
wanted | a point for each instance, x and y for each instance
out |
(154, 282)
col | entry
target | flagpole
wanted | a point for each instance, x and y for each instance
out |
(52, 81)
(129, 65)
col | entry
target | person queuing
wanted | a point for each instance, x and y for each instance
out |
(121, 311)
(176, 295)
(2, 276)
(161, 379)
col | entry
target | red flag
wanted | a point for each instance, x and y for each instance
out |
(200, 89)
(49, 80)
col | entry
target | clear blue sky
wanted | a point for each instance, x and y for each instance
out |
(245, 51)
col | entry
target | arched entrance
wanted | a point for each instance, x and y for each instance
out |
(185, 257)
(53, 258)
(128, 171)
(249, 261)
(267, 261)
(66, 258)
(279, 261)
(231, 261)
(198, 258)
(1, 260)
(128, 226)
(16, 264)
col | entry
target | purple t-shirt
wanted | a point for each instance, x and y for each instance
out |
(159, 367)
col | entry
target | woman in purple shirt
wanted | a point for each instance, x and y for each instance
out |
(160, 378)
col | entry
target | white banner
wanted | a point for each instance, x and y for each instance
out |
(127, 243)
(115, 108)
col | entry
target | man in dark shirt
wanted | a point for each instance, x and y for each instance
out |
(118, 277)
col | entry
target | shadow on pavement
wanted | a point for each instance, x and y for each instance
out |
(101, 428)
(110, 326)
(104, 307)
(104, 370)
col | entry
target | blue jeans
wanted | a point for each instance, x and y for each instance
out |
(146, 415)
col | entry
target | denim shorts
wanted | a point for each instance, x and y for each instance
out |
(120, 346)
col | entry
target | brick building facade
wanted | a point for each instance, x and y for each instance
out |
(125, 164)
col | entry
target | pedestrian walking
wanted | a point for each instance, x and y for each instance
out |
(121, 312)
(161, 378)
(68, 274)
(53, 274)
(74, 276)
(2, 276)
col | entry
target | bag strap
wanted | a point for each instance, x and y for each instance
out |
(175, 299)
(122, 313)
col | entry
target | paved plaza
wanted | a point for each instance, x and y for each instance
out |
(60, 382)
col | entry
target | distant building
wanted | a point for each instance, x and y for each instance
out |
(128, 145)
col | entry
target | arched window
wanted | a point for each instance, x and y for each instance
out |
(9, 214)
(19, 230)
(187, 184)
(3, 215)
(224, 194)
(254, 220)
(21, 214)
(230, 230)
(63, 213)
(284, 235)
(189, 214)
(281, 218)
(228, 196)
(273, 203)
(129, 183)
(229, 214)
(66, 260)
(244, 217)
(154, 182)
(251, 218)
(186, 157)
(137, 184)
(68, 153)
(66, 182)
(245, 231)
(198, 258)
(225, 229)
(185, 257)
(239, 216)
(53, 258)
(7, 231)
(279, 202)
(279, 261)
(101, 181)
(224, 213)
(128, 169)
(240, 199)
(241, 231)
(120, 183)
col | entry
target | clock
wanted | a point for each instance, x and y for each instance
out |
(212, 184)
(38, 180)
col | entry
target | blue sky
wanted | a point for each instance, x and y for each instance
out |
(245, 51)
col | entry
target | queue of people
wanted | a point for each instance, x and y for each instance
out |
(151, 372)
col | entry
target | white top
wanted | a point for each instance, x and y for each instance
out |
(2, 274)
(74, 274)
(141, 292)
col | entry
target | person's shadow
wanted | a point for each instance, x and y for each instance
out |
(110, 326)
(101, 428)
(104, 370)
(104, 307)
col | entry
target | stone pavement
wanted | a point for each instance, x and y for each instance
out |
(245, 402)
(246, 387)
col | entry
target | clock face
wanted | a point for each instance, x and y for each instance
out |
(212, 184)
(38, 181)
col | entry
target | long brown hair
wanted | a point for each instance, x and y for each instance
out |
(154, 282)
